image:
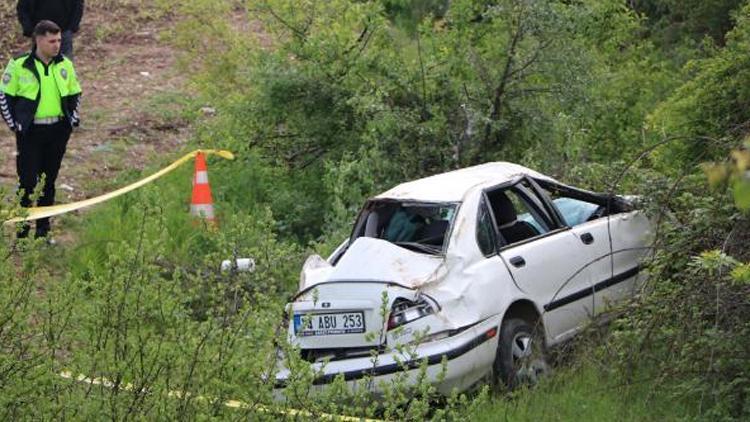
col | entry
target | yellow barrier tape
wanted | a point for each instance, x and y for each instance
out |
(43, 212)
(233, 404)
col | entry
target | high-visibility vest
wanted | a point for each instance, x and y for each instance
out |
(21, 83)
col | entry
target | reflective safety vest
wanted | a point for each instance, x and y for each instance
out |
(20, 90)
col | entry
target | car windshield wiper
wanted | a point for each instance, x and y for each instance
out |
(421, 247)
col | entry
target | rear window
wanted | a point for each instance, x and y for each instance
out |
(422, 227)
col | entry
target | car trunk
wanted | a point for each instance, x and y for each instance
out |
(342, 319)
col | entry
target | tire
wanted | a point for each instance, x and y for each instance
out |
(521, 356)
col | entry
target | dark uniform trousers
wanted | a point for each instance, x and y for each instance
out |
(40, 152)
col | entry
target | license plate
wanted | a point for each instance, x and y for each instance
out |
(329, 324)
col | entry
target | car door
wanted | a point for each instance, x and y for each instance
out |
(546, 259)
(603, 227)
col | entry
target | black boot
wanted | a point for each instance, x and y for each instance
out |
(42, 228)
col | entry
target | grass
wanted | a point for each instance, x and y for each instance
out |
(587, 393)
(118, 220)
(173, 107)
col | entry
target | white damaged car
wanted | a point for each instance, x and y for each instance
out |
(485, 267)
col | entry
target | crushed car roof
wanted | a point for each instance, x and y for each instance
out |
(453, 185)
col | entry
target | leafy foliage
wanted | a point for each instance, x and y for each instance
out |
(735, 174)
(327, 103)
(711, 106)
(692, 19)
(694, 300)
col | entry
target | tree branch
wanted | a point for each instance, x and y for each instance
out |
(301, 34)
(520, 69)
(497, 97)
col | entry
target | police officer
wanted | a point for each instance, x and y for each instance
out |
(66, 14)
(39, 99)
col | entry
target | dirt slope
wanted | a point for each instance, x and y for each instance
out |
(131, 92)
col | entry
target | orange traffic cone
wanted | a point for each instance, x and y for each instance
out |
(202, 204)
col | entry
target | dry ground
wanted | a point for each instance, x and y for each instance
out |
(130, 110)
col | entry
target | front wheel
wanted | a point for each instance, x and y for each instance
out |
(521, 357)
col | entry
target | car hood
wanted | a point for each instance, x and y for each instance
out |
(370, 259)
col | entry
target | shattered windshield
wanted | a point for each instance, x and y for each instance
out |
(421, 227)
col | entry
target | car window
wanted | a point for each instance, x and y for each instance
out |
(421, 227)
(485, 230)
(577, 206)
(575, 211)
(516, 216)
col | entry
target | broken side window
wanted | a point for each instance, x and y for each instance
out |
(518, 213)
(577, 206)
(575, 211)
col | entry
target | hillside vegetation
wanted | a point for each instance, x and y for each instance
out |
(327, 103)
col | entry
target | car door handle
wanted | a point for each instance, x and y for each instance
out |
(518, 261)
(587, 238)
